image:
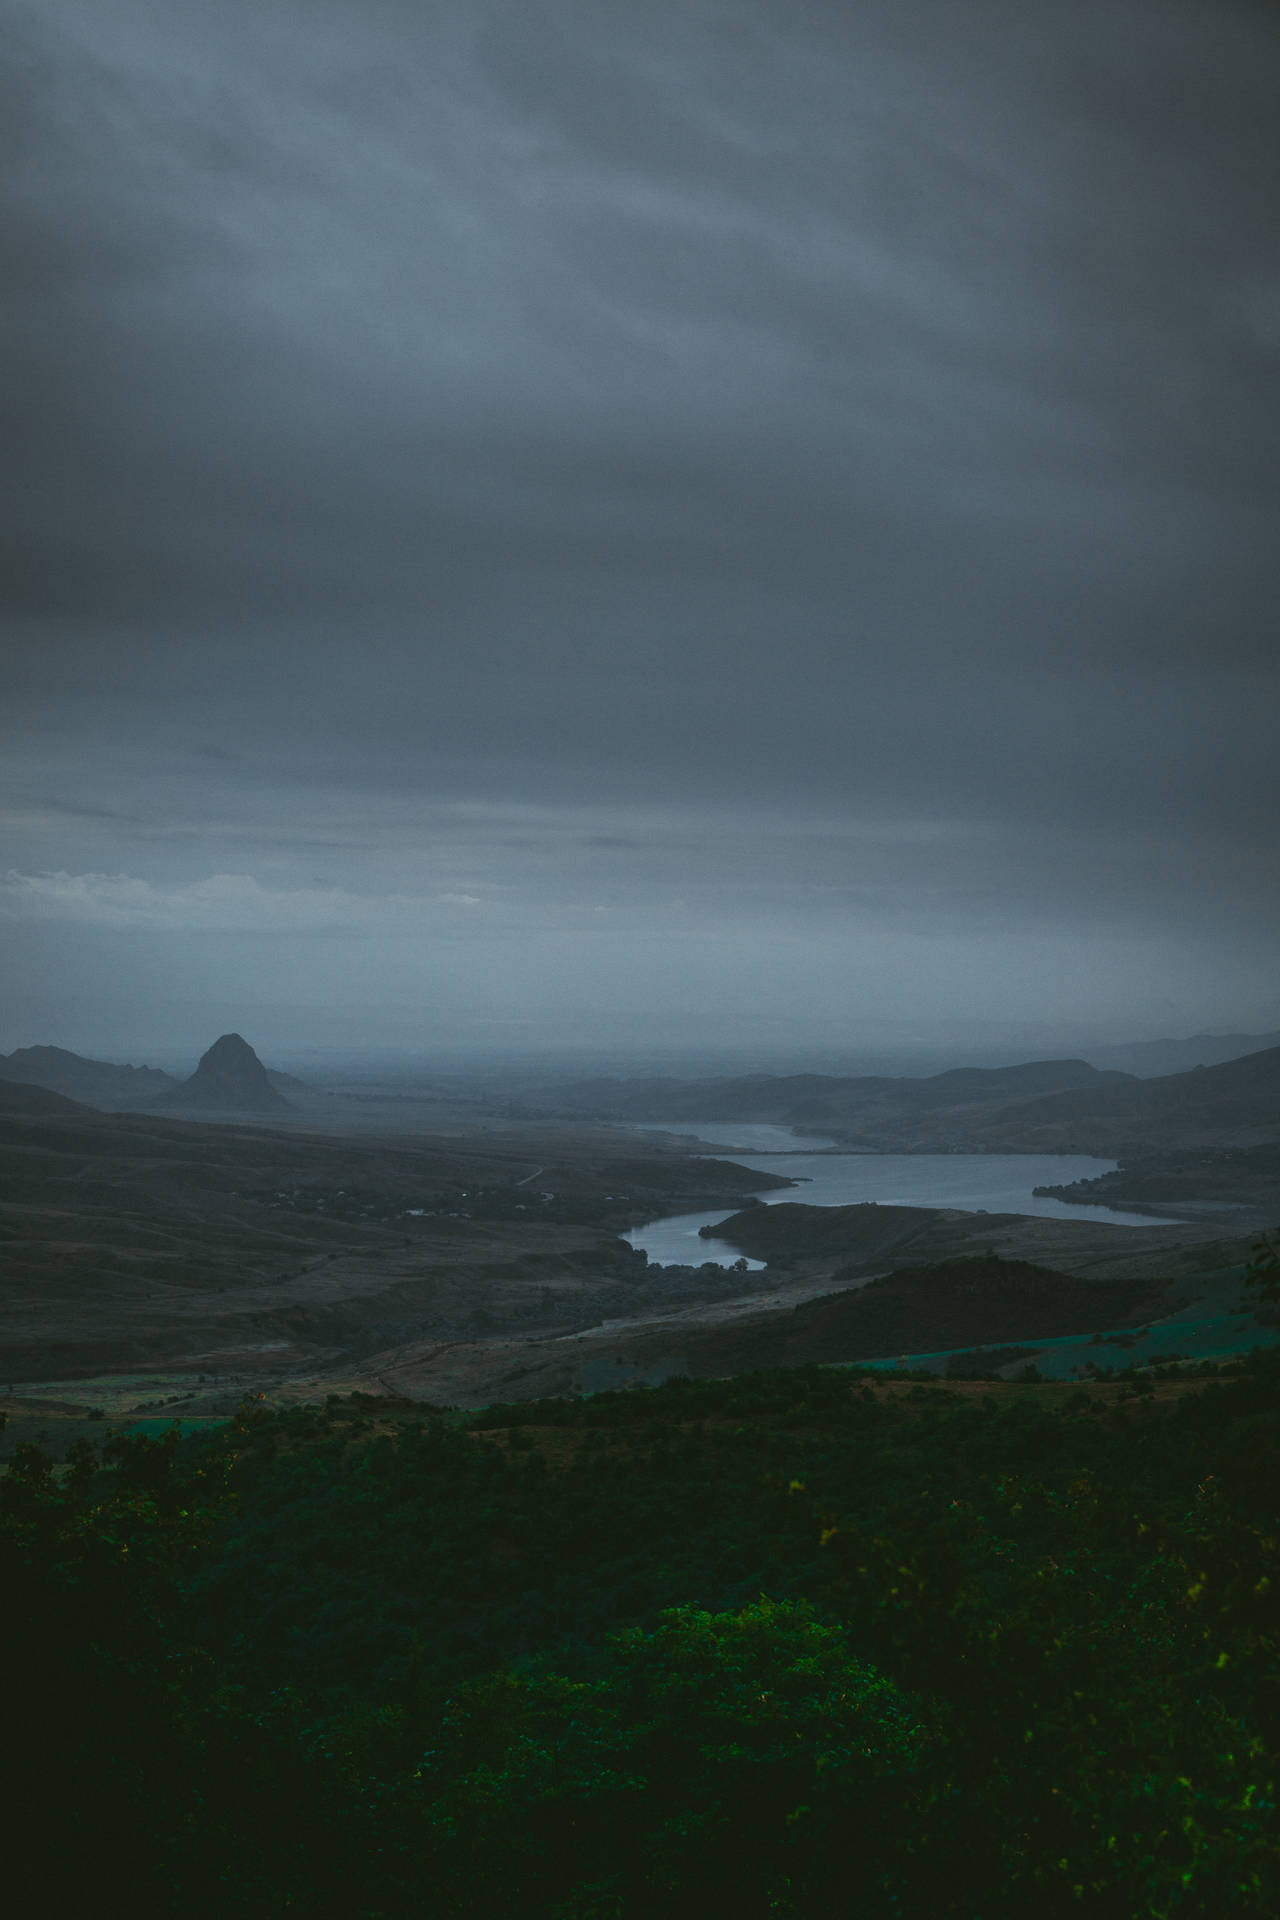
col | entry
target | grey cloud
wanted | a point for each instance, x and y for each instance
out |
(821, 415)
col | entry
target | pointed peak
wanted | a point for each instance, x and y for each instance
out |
(229, 1047)
(230, 1076)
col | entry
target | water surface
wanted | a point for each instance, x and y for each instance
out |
(978, 1182)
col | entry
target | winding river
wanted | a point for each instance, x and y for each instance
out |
(978, 1182)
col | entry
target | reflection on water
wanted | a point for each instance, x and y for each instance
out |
(977, 1182)
(675, 1242)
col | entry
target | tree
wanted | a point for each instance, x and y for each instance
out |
(740, 1763)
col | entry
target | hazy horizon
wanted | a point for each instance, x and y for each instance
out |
(671, 531)
(391, 1066)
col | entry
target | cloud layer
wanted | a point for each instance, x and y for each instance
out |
(806, 473)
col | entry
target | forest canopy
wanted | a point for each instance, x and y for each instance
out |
(796, 1643)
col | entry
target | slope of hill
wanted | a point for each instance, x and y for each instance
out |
(1152, 1059)
(951, 1304)
(95, 1083)
(17, 1097)
(289, 1087)
(1212, 1179)
(825, 1101)
(1236, 1104)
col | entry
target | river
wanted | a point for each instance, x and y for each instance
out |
(978, 1182)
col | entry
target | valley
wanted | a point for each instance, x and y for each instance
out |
(133, 1241)
(486, 1259)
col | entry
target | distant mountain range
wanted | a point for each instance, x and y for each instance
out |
(1151, 1059)
(1236, 1104)
(229, 1079)
(822, 1101)
(1047, 1106)
(95, 1083)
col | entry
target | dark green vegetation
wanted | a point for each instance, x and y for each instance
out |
(857, 1241)
(951, 1303)
(789, 1644)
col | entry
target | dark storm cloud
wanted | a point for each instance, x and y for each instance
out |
(842, 436)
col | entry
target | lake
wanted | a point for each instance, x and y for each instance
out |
(978, 1182)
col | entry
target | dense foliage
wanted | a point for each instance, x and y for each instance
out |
(789, 1644)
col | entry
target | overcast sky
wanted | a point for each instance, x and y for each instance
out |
(668, 524)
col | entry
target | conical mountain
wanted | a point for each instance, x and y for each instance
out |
(232, 1079)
